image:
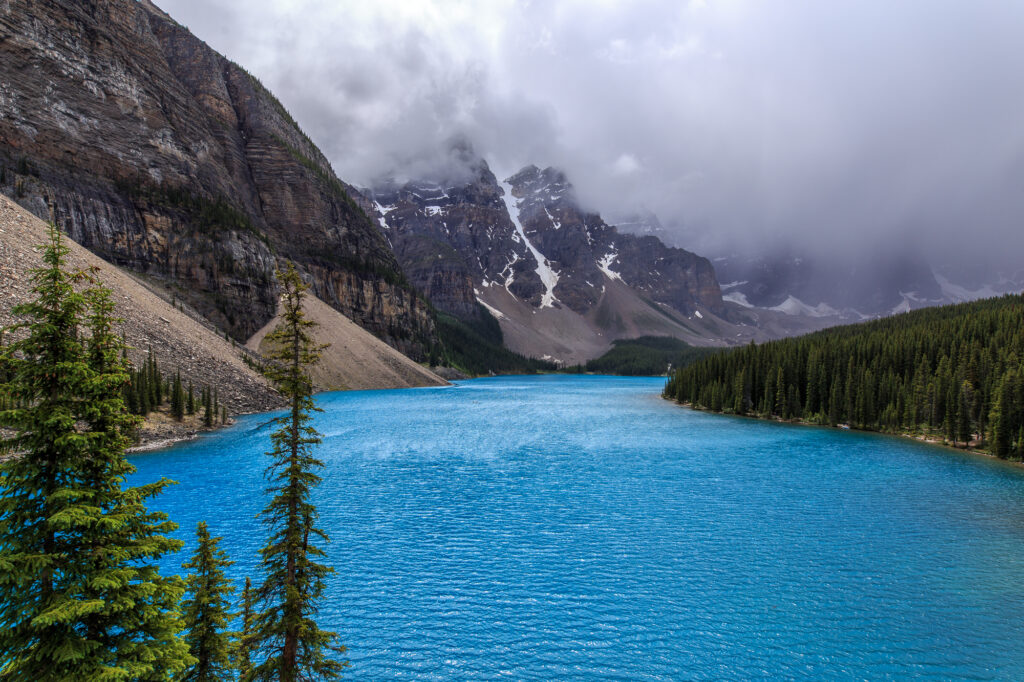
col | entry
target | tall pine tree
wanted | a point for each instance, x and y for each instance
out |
(177, 398)
(287, 642)
(80, 595)
(207, 611)
(243, 649)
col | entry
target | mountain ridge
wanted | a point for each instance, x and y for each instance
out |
(161, 155)
(562, 283)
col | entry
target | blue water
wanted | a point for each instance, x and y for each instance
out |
(583, 528)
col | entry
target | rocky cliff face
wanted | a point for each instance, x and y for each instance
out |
(561, 281)
(582, 250)
(529, 236)
(161, 155)
(451, 238)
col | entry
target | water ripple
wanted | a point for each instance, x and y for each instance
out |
(580, 528)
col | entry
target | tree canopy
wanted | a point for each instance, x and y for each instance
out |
(954, 372)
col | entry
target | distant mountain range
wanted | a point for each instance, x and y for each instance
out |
(166, 158)
(563, 283)
(848, 289)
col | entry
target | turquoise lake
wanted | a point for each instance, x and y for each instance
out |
(562, 527)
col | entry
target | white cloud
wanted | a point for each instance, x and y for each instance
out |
(829, 123)
(626, 164)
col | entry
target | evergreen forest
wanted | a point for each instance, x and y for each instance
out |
(81, 595)
(647, 356)
(953, 373)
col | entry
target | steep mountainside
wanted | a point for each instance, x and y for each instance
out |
(183, 341)
(354, 359)
(180, 341)
(161, 155)
(562, 283)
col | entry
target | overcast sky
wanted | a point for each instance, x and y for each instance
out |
(832, 124)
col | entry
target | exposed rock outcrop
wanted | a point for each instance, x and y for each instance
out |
(148, 321)
(161, 155)
(562, 283)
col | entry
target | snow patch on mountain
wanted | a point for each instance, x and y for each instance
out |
(794, 306)
(547, 274)
(605, 265)
(958, 294)
(508, 272)
(903, 307)
(492, 310)
(554, 223)
(384, 210)
(737, 297)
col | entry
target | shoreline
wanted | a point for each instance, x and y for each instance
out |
(928, 440)
(159, 444)
(160, 431)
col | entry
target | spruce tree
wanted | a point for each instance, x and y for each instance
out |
(963, 420)
(80, 595)
(1002, 429)
(190, 406)
(286, 640)
(207, 611)
(177, 398)
(139, 623)
(33, 485)
(207, 409)
(243, 650)
(145, 394)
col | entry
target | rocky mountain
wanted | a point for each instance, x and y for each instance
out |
(848, 288)
(184, 340)
(562, 283)
(163, 156)
(181, 342)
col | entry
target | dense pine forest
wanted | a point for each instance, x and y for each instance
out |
(645, 356)
(953, 372)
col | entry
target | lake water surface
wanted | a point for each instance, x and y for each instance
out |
(565, 527)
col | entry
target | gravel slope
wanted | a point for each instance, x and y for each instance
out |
(179, 341)
(355, 358)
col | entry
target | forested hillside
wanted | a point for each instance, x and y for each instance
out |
(953, 372)
(647, 356)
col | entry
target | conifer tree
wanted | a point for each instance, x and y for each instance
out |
(243, 650)
(207, 611)
(80, 595)
(145, 393)
(1002, 430)
(139, 622)
(963, 421)
(207, 409)
(287, 642)
(190, 406)
(177, 398)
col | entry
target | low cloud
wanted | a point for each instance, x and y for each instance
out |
(745, 125)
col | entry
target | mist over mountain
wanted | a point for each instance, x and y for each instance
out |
(841, 127)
